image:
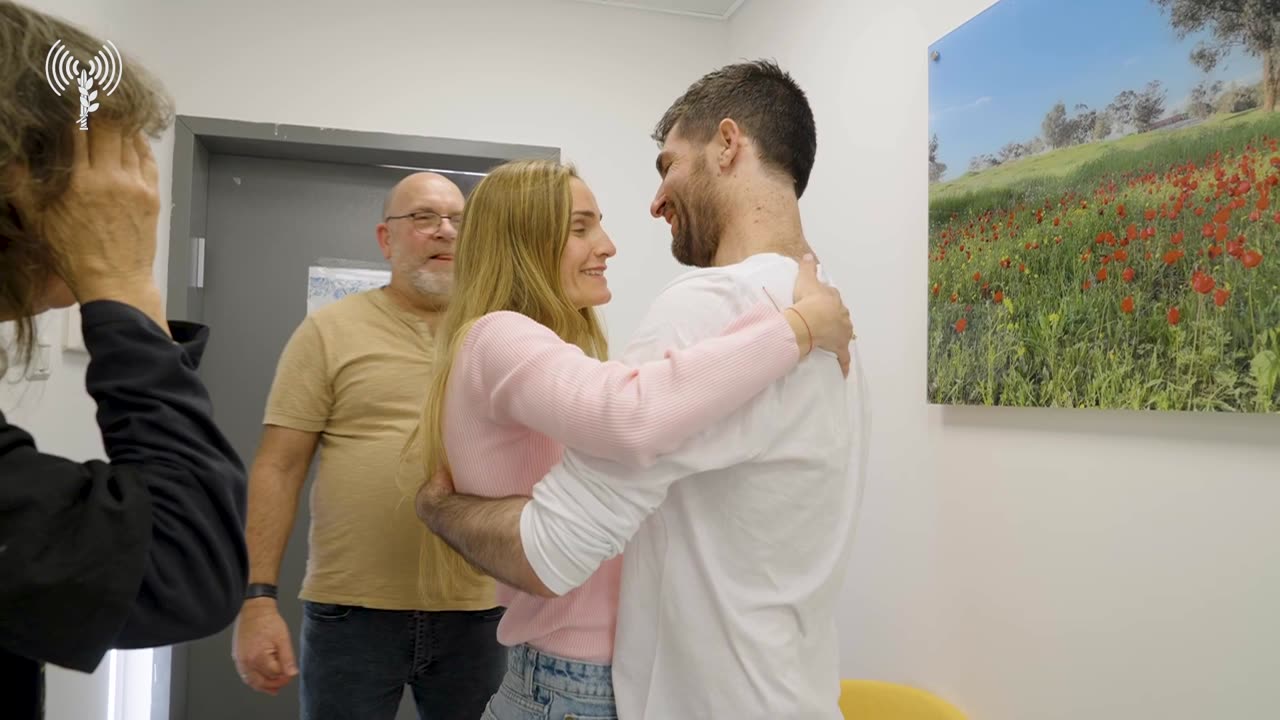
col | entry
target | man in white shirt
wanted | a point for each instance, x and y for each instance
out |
(736, 543)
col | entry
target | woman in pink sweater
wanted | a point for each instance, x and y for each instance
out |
(521, 372)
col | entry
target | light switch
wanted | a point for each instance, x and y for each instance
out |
(71, 337)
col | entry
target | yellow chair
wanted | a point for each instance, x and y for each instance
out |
(875, 700)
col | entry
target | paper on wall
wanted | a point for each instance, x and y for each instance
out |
(332, 280)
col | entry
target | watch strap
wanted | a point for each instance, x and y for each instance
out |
(256, 590)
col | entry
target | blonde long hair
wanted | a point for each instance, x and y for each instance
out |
(508, 256)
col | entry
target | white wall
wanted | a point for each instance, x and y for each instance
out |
(591, 80)
(1025, 564)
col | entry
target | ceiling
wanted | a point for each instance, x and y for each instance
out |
(715, 9)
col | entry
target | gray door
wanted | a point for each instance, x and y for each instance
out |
(268, 220)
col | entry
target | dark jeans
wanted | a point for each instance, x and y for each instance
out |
(355, 662)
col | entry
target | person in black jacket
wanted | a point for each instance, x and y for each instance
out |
(146, 548)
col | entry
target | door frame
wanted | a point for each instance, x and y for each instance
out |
(195, 139)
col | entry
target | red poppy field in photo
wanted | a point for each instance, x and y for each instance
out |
(1123, 258)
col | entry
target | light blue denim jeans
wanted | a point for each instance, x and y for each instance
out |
(539, 686)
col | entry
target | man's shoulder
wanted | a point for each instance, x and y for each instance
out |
(338, 329)
(348, 321)
(701, 303)
(734, 288)
(345, 309)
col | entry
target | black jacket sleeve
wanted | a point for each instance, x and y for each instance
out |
(142, 551)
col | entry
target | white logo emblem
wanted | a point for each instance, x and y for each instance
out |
(104, 73)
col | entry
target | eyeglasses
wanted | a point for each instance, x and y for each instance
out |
(427, 222)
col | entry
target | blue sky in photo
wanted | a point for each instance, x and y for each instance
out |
(1003, 70)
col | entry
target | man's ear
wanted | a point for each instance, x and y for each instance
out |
(384, 239)
(729, 143)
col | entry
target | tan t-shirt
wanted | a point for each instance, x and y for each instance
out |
(356, 371)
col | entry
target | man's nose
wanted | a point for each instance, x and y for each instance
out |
(659, 205)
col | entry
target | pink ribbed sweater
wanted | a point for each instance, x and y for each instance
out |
(518, 394)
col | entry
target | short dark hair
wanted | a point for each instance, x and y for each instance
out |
(764, 101)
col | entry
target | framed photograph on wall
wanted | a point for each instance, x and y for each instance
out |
(1104, 207)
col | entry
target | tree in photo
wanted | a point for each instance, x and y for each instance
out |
(1204, 98)
(1054, 127)
(1015, 151)
(1121, 109)
(1238, 98)
(1102, 126)
(1149, 106)
(1060, 130)
(1251, 25)
(1080, 126)
(936, 169)
(978, 163)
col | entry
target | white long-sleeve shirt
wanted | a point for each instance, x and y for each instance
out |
(736, 543)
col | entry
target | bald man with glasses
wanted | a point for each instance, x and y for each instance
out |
(345, 384)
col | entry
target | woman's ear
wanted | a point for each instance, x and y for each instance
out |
(57, 293)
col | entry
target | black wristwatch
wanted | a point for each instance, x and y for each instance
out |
(257, 590)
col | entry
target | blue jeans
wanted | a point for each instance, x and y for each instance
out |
(355, 662)
(539, 686)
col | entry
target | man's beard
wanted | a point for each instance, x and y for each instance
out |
(428, 282)
(432, 283)
(700, 221)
